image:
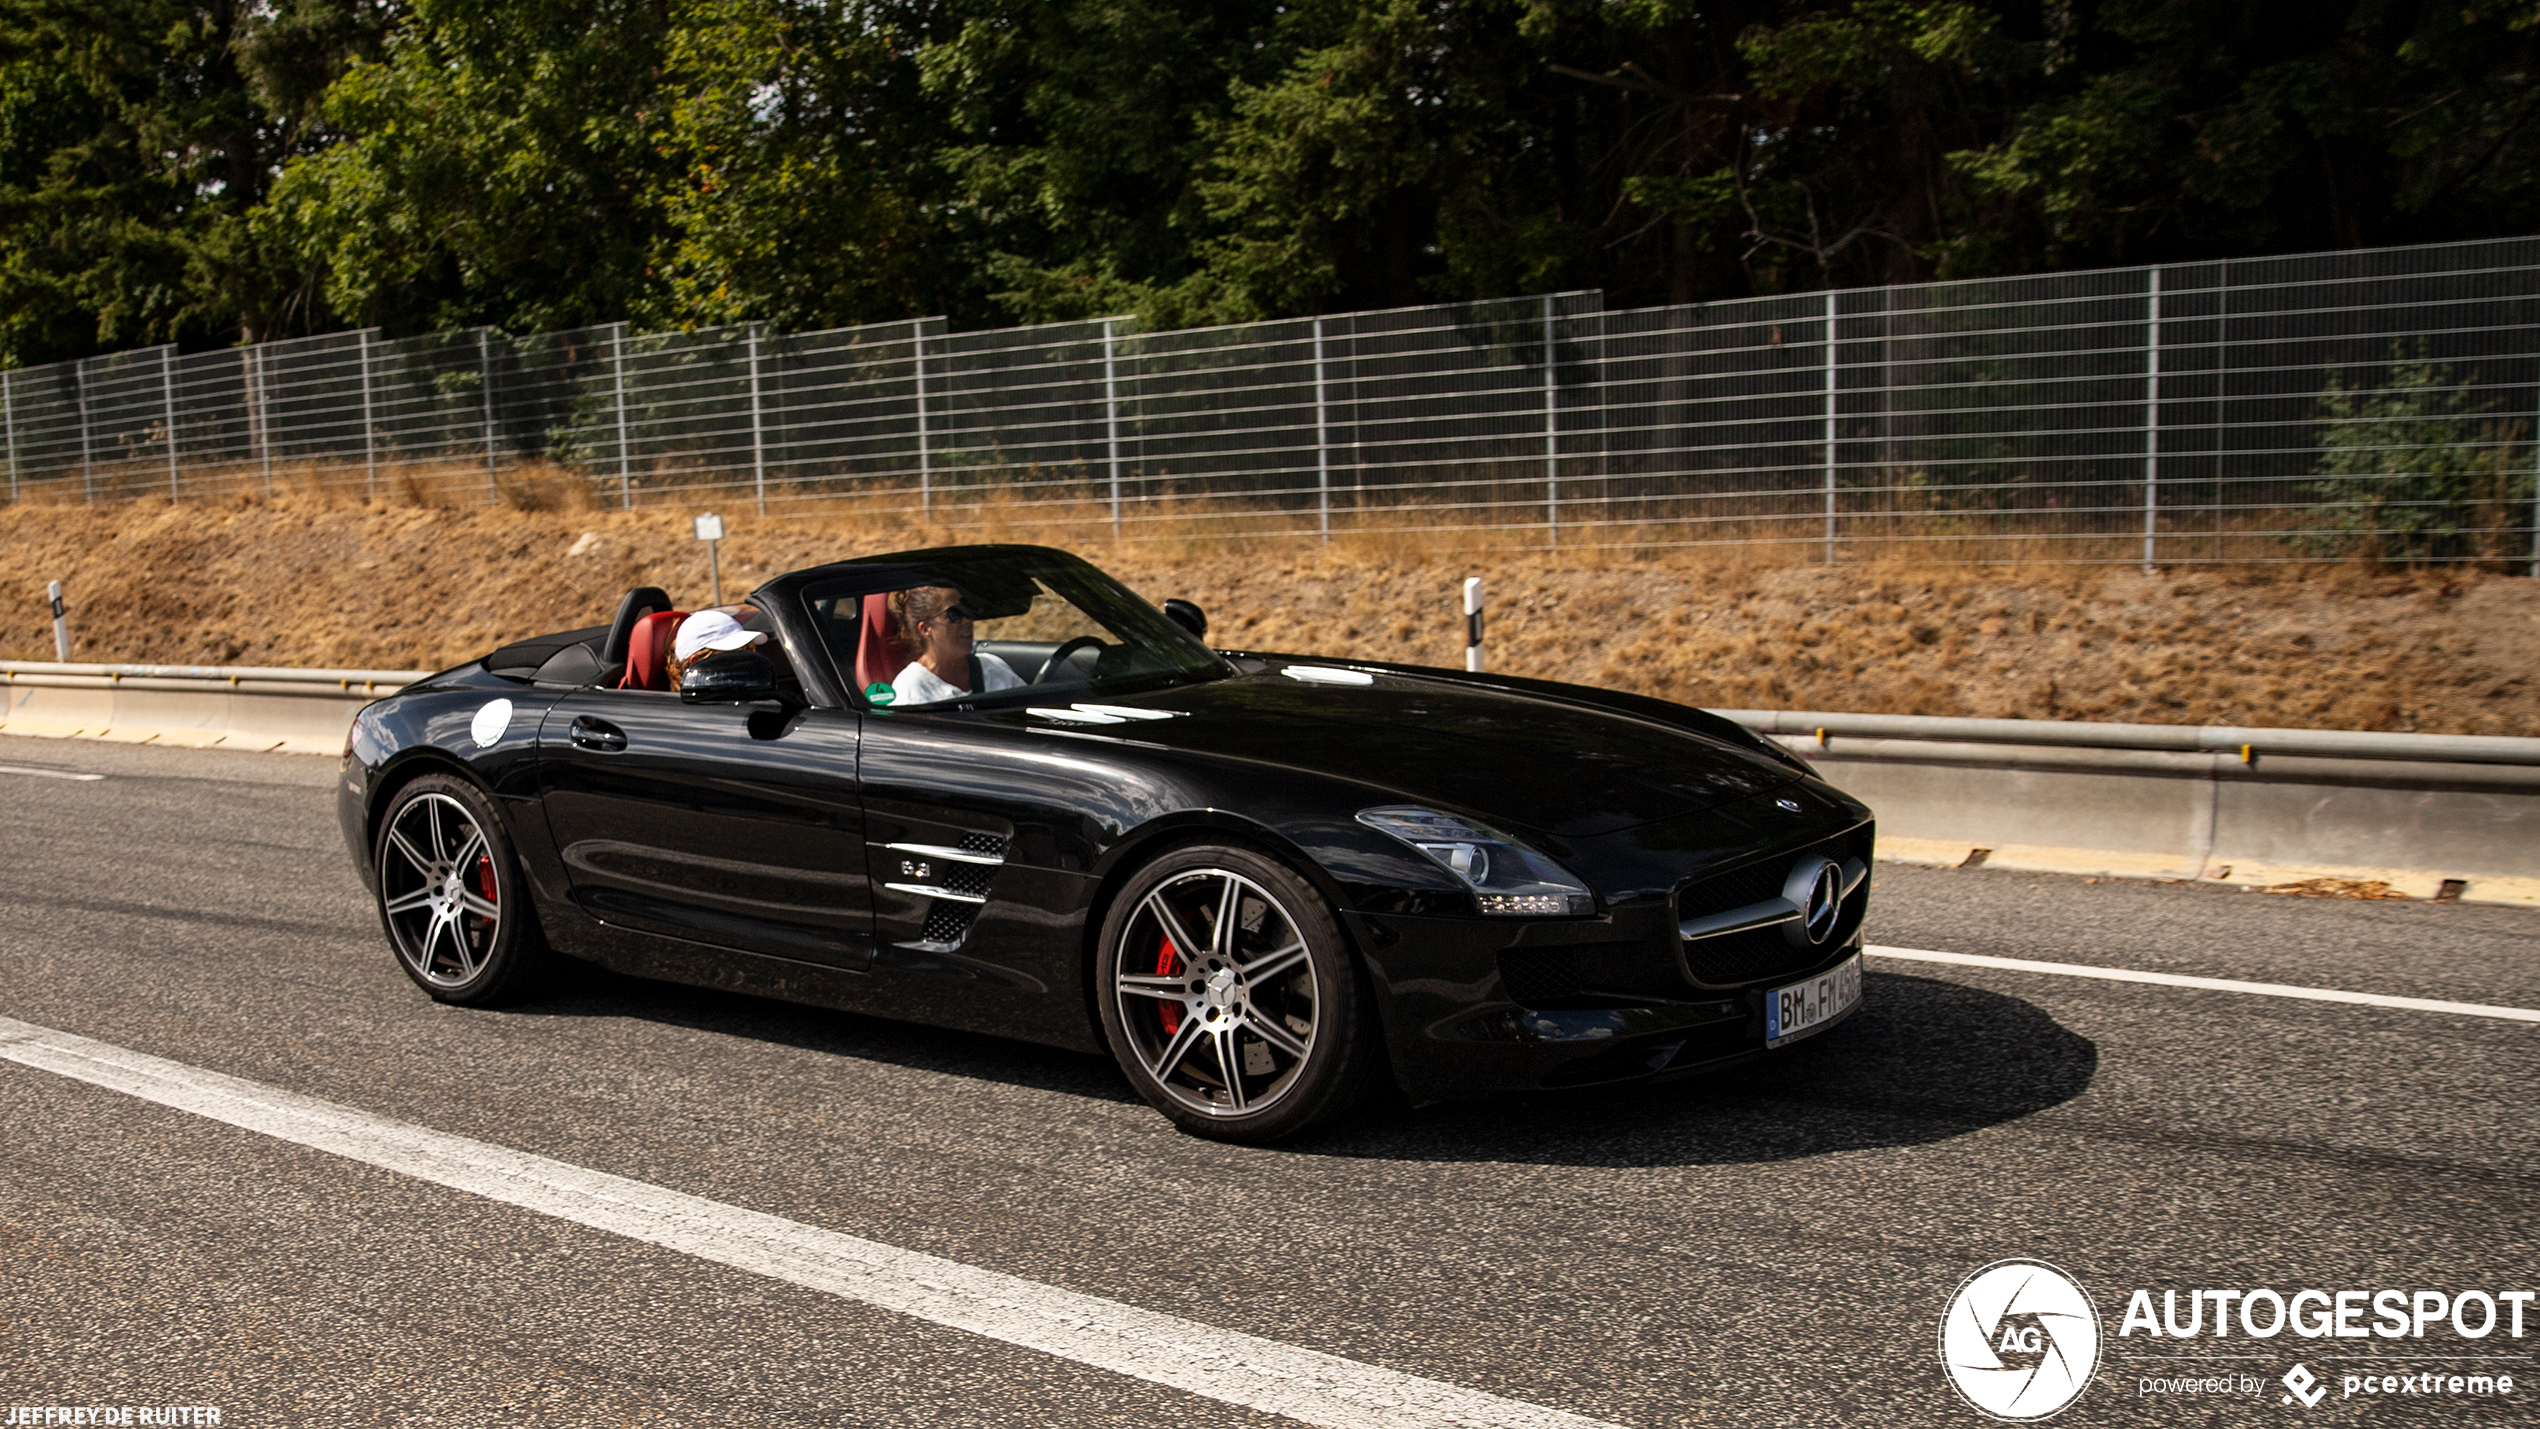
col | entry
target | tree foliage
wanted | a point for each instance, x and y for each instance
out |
(2419, 467)
(137, 140)
(210, 172)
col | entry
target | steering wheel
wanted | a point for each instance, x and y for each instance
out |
(1060, 656)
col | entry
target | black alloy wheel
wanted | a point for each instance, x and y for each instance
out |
(1230, 998)
(450, 895)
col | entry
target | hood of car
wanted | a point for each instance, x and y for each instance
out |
(1520, 761)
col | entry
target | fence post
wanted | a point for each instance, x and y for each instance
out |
(617, 376)
(1322, 440)
(485, 392)
(2152, 420)
(1830, 317)
(87, 468)
(1111, 415)
(925, 434)
(167, 409)
(1551, 436)
(9, 420)
(758, 440)
(370, 440)
(263, 432)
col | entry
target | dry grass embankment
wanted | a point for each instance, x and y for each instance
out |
(305, 580)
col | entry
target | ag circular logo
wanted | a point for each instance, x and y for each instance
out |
(2020, 1340)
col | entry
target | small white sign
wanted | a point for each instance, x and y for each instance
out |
(709, 528)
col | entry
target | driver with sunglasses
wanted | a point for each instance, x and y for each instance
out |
(934, 619)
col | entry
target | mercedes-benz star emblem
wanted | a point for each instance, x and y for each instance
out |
(1791, 805)
(1825, 902)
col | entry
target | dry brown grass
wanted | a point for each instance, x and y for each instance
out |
(429, 574)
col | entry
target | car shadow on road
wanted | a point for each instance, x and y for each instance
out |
(586, 991)
(1922, 1061)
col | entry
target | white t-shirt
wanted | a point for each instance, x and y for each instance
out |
(918, 685)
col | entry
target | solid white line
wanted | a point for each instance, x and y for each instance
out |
(1223, 1365)
(49, 773)
(2211, 984)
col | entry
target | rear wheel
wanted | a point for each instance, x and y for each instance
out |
(450, 895)
(1230, 999)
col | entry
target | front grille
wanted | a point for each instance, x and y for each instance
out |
(1765, 953)
(1535, 976)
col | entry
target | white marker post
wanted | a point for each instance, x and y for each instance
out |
(61, 624)
(710, 531)
(1473, 624)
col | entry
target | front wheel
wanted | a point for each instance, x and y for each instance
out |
(1230, 999)
(450, 895)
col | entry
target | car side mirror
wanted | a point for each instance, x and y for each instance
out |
(732, 677)
(1188, 616)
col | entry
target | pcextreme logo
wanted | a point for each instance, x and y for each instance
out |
(2020, 1340)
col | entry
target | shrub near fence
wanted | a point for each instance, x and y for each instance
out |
(2318, 407)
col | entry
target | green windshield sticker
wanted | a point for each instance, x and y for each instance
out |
(880, 693)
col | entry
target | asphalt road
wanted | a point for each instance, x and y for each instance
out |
(1776, 1245)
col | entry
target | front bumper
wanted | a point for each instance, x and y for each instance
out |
(1455, 1029)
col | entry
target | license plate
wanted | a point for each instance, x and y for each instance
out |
(1793, 1012)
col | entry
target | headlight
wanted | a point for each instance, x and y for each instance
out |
(1508, 879)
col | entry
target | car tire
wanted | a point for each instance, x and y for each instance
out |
(1230, 998)
(451, 896)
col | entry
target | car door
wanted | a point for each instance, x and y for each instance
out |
(734, 826)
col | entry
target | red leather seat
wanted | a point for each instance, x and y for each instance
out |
(880, 652)
(648, 651)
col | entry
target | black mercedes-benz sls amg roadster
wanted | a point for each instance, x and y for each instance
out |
(987, 787)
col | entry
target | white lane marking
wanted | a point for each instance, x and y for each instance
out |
(1223, 1365)
(2211, 984)
(50, 773)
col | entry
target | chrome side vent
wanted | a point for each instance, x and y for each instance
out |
(955, 876)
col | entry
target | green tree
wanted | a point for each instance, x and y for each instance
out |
(1073, 139)
(2419, 468)
(2167, 129)
(136, 139)
(1405, 151)
(499, 163)
(801, 164)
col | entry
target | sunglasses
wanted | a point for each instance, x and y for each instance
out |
(957, 612)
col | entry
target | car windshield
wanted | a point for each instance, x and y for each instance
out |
(996, 625)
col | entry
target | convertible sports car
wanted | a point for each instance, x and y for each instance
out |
(986, 787)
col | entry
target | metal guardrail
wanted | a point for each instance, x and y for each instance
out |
(2415, 815)
(76, 674)
(2246, 743)
(228, 706)
(2289, 408)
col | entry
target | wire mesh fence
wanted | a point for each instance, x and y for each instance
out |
(2377, 403)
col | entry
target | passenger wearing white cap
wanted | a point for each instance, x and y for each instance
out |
(708, 633)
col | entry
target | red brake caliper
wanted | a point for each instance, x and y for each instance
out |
(485, 876)
(1165, 958)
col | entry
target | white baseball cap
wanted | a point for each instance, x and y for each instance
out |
(711, 630)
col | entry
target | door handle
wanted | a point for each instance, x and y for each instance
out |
(599, 734)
